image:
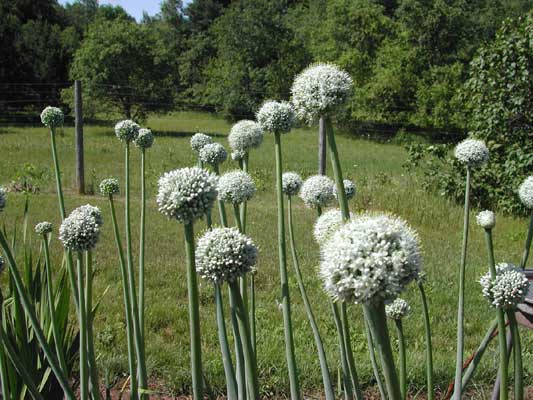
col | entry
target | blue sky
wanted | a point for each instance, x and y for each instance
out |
(133, 7)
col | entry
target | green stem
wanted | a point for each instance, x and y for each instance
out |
(244, 206)
(460, 307)
(209, 220)
(194, 314)
(375, 368)
(326, 378)
(243, 280)
(51, 305)
(30, 313)
(402, 358)
(82, 319)
(229, 372)
(142, 244)
(91, 355)
(285, 297)
(337, 171)
(238, 221)
(429, 345)
(4, 378)
(221, 207)
(501, 322)
(244, 328)
(529, 238)
(137, 333)
(375, 315)
(349, 353)
(239, 356)
(127, 304)
(517, 356)
(346, 381)
(252, 312)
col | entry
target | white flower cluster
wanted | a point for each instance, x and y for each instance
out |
(199, 140)
(244, 136)
(398, 309)
(127, 130)
(225, 254)
(186, 194)
(319, 90)
(525, 192)
(276, 116)
(349, 189)
(3, 198)
(236, 187)
(486, 219)
(145, 139)
(52, 117)
(327, 224)
(43, 228)
(81, 229)
(508, 289)
(213, 154)
(317, 191)
(291, 183)
(472, 152)
(370, 259)
(109, 186)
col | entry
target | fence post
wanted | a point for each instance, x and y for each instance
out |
(78, 112)
(322, 147)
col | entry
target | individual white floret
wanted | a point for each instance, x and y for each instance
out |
(127, 130)
(317, 191)
(276, 116)
(525, 192)
(398, 309)
(236, 187)
(245, 135)
(224, 255)
(472, 152)
(186, 194)
(291, 183)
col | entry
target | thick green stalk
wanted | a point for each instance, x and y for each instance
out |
(239, 355)
(244, 328)
(529, 238)
(3, 361)
(501, 322)
(285, 297)
(244, 206)
(51, 305)
(375, 315)
(229, 372)
(375, 367)
(142, 244)
(337, 170)
(127, 304)
(209, 220)
(461, 303)
(91, 355)
(238, 221)
(243, 280)
(137, 333)
(82, 320)
(517, 356)
(194, 314)
(252, 312)
(349, 353)
(429, 345)
(346, 381)
(402, 358)
(30, 314)
(326, 378)
(221, 207)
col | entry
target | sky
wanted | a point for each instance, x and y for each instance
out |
(133, 7)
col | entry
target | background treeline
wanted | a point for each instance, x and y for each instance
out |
(409, 58)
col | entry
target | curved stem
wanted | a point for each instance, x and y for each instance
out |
(229, 372)
(375, 368)
(346, 381)
(221, 207)
(194, 314)
(82, 319)
(91, 356)
(285, 297)
(142, 244)
(127, 303)
(326, 378)
(460, 306)
(403, 358)
(527, 246)
(517, 356)
(429, 345)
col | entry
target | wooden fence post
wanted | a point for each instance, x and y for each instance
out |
(78, 111)
(322, 147)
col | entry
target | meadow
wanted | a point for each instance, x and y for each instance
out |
(382, 184)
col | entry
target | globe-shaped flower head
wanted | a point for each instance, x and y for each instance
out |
(52, 117)
(213, 154)
(199, 140)
(486, 219)
(349, 189)
(109, 186)
(472, 152)
(276, 116)
(43, 228)
(3, 198)
(370, 259)
(291, 183)
(508, 289)
(525, 192)
(145, 139)
(317, 191)
(398, 309)
(127, 130)
(320, 90)
(236, 187)
(186, 194)
(81, 229)
(327, 224)
(225, 254)
(244, 136)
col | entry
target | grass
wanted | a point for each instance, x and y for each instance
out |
(382, 185)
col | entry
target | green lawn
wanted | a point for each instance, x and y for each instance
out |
(382, 184)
